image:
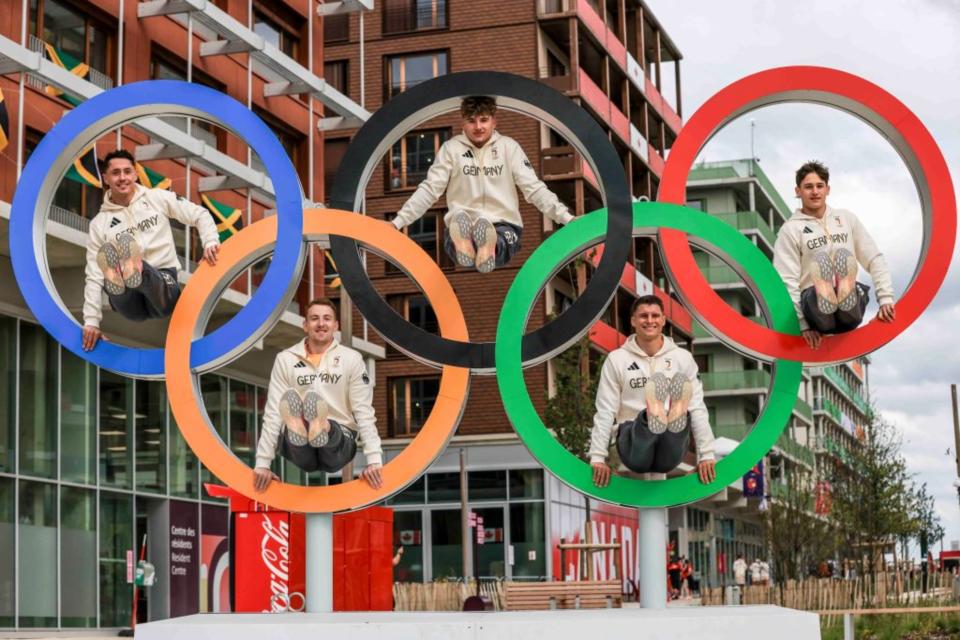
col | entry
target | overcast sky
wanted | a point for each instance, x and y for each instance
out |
(911, 50)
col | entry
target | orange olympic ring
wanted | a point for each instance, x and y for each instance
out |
(192, 313)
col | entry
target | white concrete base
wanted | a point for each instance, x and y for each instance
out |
(679, 623)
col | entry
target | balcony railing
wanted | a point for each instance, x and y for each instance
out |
(803, 409)
(409, 16)
(95, 76)
(785, 443)
(721, 274)
(833, 376)
(744, 220)
(69, 218)
(733, 380)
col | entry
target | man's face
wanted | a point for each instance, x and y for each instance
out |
(120, 177)
(647, 321)
(813, 192)
(321, 323)
(479, 128)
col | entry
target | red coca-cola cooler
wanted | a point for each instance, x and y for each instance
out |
(267, 556)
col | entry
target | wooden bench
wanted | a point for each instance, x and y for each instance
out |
(585, 594)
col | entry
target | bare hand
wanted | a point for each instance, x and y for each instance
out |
(373, 476)
(886, 313)
(210, 254)
(601, 474)
(262, 478)
(707, 471)
(812, 337)
(91, 335)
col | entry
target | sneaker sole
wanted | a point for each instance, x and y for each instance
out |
(655, 392)
(315, 413)
(823, 284)
(680, 392)
(462, 240)
(129, 255)
(291, 409)
(485, 237)
(846, 267)
(108, 257)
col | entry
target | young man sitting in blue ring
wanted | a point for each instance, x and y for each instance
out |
(649, 399)
(130, 250)
(480, 171)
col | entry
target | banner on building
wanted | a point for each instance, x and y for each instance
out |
(71, 64)
(4, 124)
(753, 482)
(184, 559)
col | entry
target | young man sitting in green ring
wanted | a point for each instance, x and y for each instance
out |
(480, 171)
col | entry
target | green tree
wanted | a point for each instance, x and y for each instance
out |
(569, 413)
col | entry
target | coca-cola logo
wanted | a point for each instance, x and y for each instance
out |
(275, 555)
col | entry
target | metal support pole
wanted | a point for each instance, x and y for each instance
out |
(319, 548)
(652, 553)
(848, 626)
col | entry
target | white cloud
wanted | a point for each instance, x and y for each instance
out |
(911, 50)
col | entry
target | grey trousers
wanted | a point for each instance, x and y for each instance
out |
(331, 457)
(643, 451)
(156, 296)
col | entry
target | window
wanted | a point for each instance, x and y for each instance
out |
(71, 196)
(290, 139)
(78, 419)
(428, 233)
(69, 30)
(333, 152)
(38, 402)
(404, 16)
(167, 66)
(408, 70)
(408, 533)
(412, 155)
(335, 73)
(8, 393)
(78, 557)
(411, 400)
(279, 27)
(416, 310)
(336, 28)
(116, 429)
(150, 426)
(38, 554)
(7, 547)
(116, 539)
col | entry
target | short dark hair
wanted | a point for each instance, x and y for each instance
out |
(814, 166)
(478, 106)
(647, 299)
(323, 302)
(123, 154)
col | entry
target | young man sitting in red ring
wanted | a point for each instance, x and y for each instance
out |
(817, 254)
(480, 171)
(130, 249)
(319, 400)
(647, 395)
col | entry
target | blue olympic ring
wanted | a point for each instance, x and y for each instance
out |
(99, 115)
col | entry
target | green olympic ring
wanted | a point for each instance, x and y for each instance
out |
(587, 231)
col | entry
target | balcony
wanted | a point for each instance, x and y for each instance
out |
(701, 332)
(749, 221)
(721, 274)
(803, 409)
(94, 76)
(826, 406)
(831, 374)
(749, 379)
(785, 443)
(406, 16)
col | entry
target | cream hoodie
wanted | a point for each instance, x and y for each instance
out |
(803, 235)
(147, 219)
(340, 378)
(482, 182)
(620, 394)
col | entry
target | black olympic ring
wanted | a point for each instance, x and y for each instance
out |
(514, 93)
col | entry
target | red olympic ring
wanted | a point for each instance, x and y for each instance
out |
(896, 123)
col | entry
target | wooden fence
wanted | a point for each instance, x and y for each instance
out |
(443, 596)
(865, 592)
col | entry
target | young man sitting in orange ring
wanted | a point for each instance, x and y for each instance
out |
(319, 401)
(480, 171)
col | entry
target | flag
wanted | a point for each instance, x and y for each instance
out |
(71, 64)
(753, 482)
(4, 124)
(228, 219)
(335, 280)
(86, 169)
(150, 178)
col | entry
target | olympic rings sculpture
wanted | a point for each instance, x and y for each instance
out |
(188, 352)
